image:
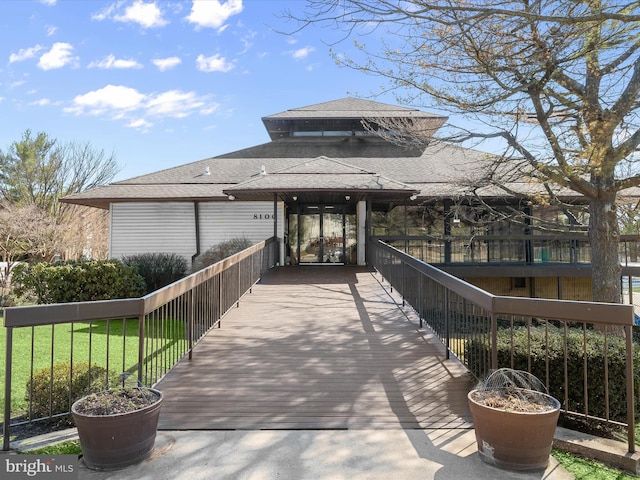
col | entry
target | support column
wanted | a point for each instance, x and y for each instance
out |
(275, 227)
(362, 232)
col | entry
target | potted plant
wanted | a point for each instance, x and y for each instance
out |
(514, 420)
(117, 427)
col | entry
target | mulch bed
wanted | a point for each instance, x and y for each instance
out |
(116, 402)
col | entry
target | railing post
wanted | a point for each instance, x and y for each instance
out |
(403, 285)
(239, 292)
(190, 315)
(494, 341)
(141, 343)
(220, 290)
(630, 391)
(420, 299)
(6, 444)
(447, 312)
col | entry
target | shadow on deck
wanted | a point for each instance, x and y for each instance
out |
(318, 347)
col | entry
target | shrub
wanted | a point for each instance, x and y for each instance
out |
(158, 269)
(533, 342)
(68, 385)
(77, 281)
(221, 251)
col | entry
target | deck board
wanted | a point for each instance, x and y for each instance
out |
(317, 348)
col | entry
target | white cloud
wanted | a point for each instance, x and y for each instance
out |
(147, 15)
(24, 54)
(111, 61)
(105, 14)
(166, 63)
(215, 63)
(247, 40)
(209, 109)
(49, 2)
(213, 13)
(59, 56)
(51, 30)
(302, 53)
(125, 103)
(43, 102)
(140, 124)
(112, 98)
(175, 103)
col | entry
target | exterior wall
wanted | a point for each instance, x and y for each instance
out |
(571, 288)
(167, 227)
(500, 286)
(220, 221)
(577, 288)
(170, 227)
(546, 287)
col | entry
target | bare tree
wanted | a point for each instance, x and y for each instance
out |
(34, 173)
(86, 233)
(26, 231)
(38, 171)
(557, 82)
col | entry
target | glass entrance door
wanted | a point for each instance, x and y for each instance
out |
(310, 238)
(323, 234)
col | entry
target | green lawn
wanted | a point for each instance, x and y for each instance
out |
(71, 447)
(584, 469)
(82, 342)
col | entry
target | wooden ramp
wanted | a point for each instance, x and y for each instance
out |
(317, 348)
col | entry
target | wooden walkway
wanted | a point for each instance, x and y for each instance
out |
(317, 348)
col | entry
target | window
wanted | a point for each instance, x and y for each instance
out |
(518, 282)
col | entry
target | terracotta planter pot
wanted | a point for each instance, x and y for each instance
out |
(514, 440)
(110, 442)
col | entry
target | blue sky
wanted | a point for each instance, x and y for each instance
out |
(161, 83)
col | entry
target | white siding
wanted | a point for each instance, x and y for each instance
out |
(220, 221)
(167, 227)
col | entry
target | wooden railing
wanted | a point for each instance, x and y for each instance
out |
(144, 336)
(487, 332)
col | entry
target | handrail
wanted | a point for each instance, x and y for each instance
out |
(170, 320)
(55, 313)
(596, 312)
(445, 303)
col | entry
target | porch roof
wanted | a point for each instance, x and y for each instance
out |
(320, 175)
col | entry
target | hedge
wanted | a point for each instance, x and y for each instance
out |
(540, 347)
(158, 269)
(77, 281)
(49, 397)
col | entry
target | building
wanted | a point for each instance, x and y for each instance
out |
(336, 173)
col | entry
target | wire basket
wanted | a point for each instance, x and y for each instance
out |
(514, 390)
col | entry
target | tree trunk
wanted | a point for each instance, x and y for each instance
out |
(604, 236)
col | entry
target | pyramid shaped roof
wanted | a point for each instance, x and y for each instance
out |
(342, 115)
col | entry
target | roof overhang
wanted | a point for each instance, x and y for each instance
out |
(321, 180)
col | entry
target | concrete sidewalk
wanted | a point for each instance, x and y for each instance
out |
(317, 455)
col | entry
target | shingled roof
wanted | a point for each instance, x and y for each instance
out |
(351, 108)
(320, 174)
(347, 114)
(362, 165)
